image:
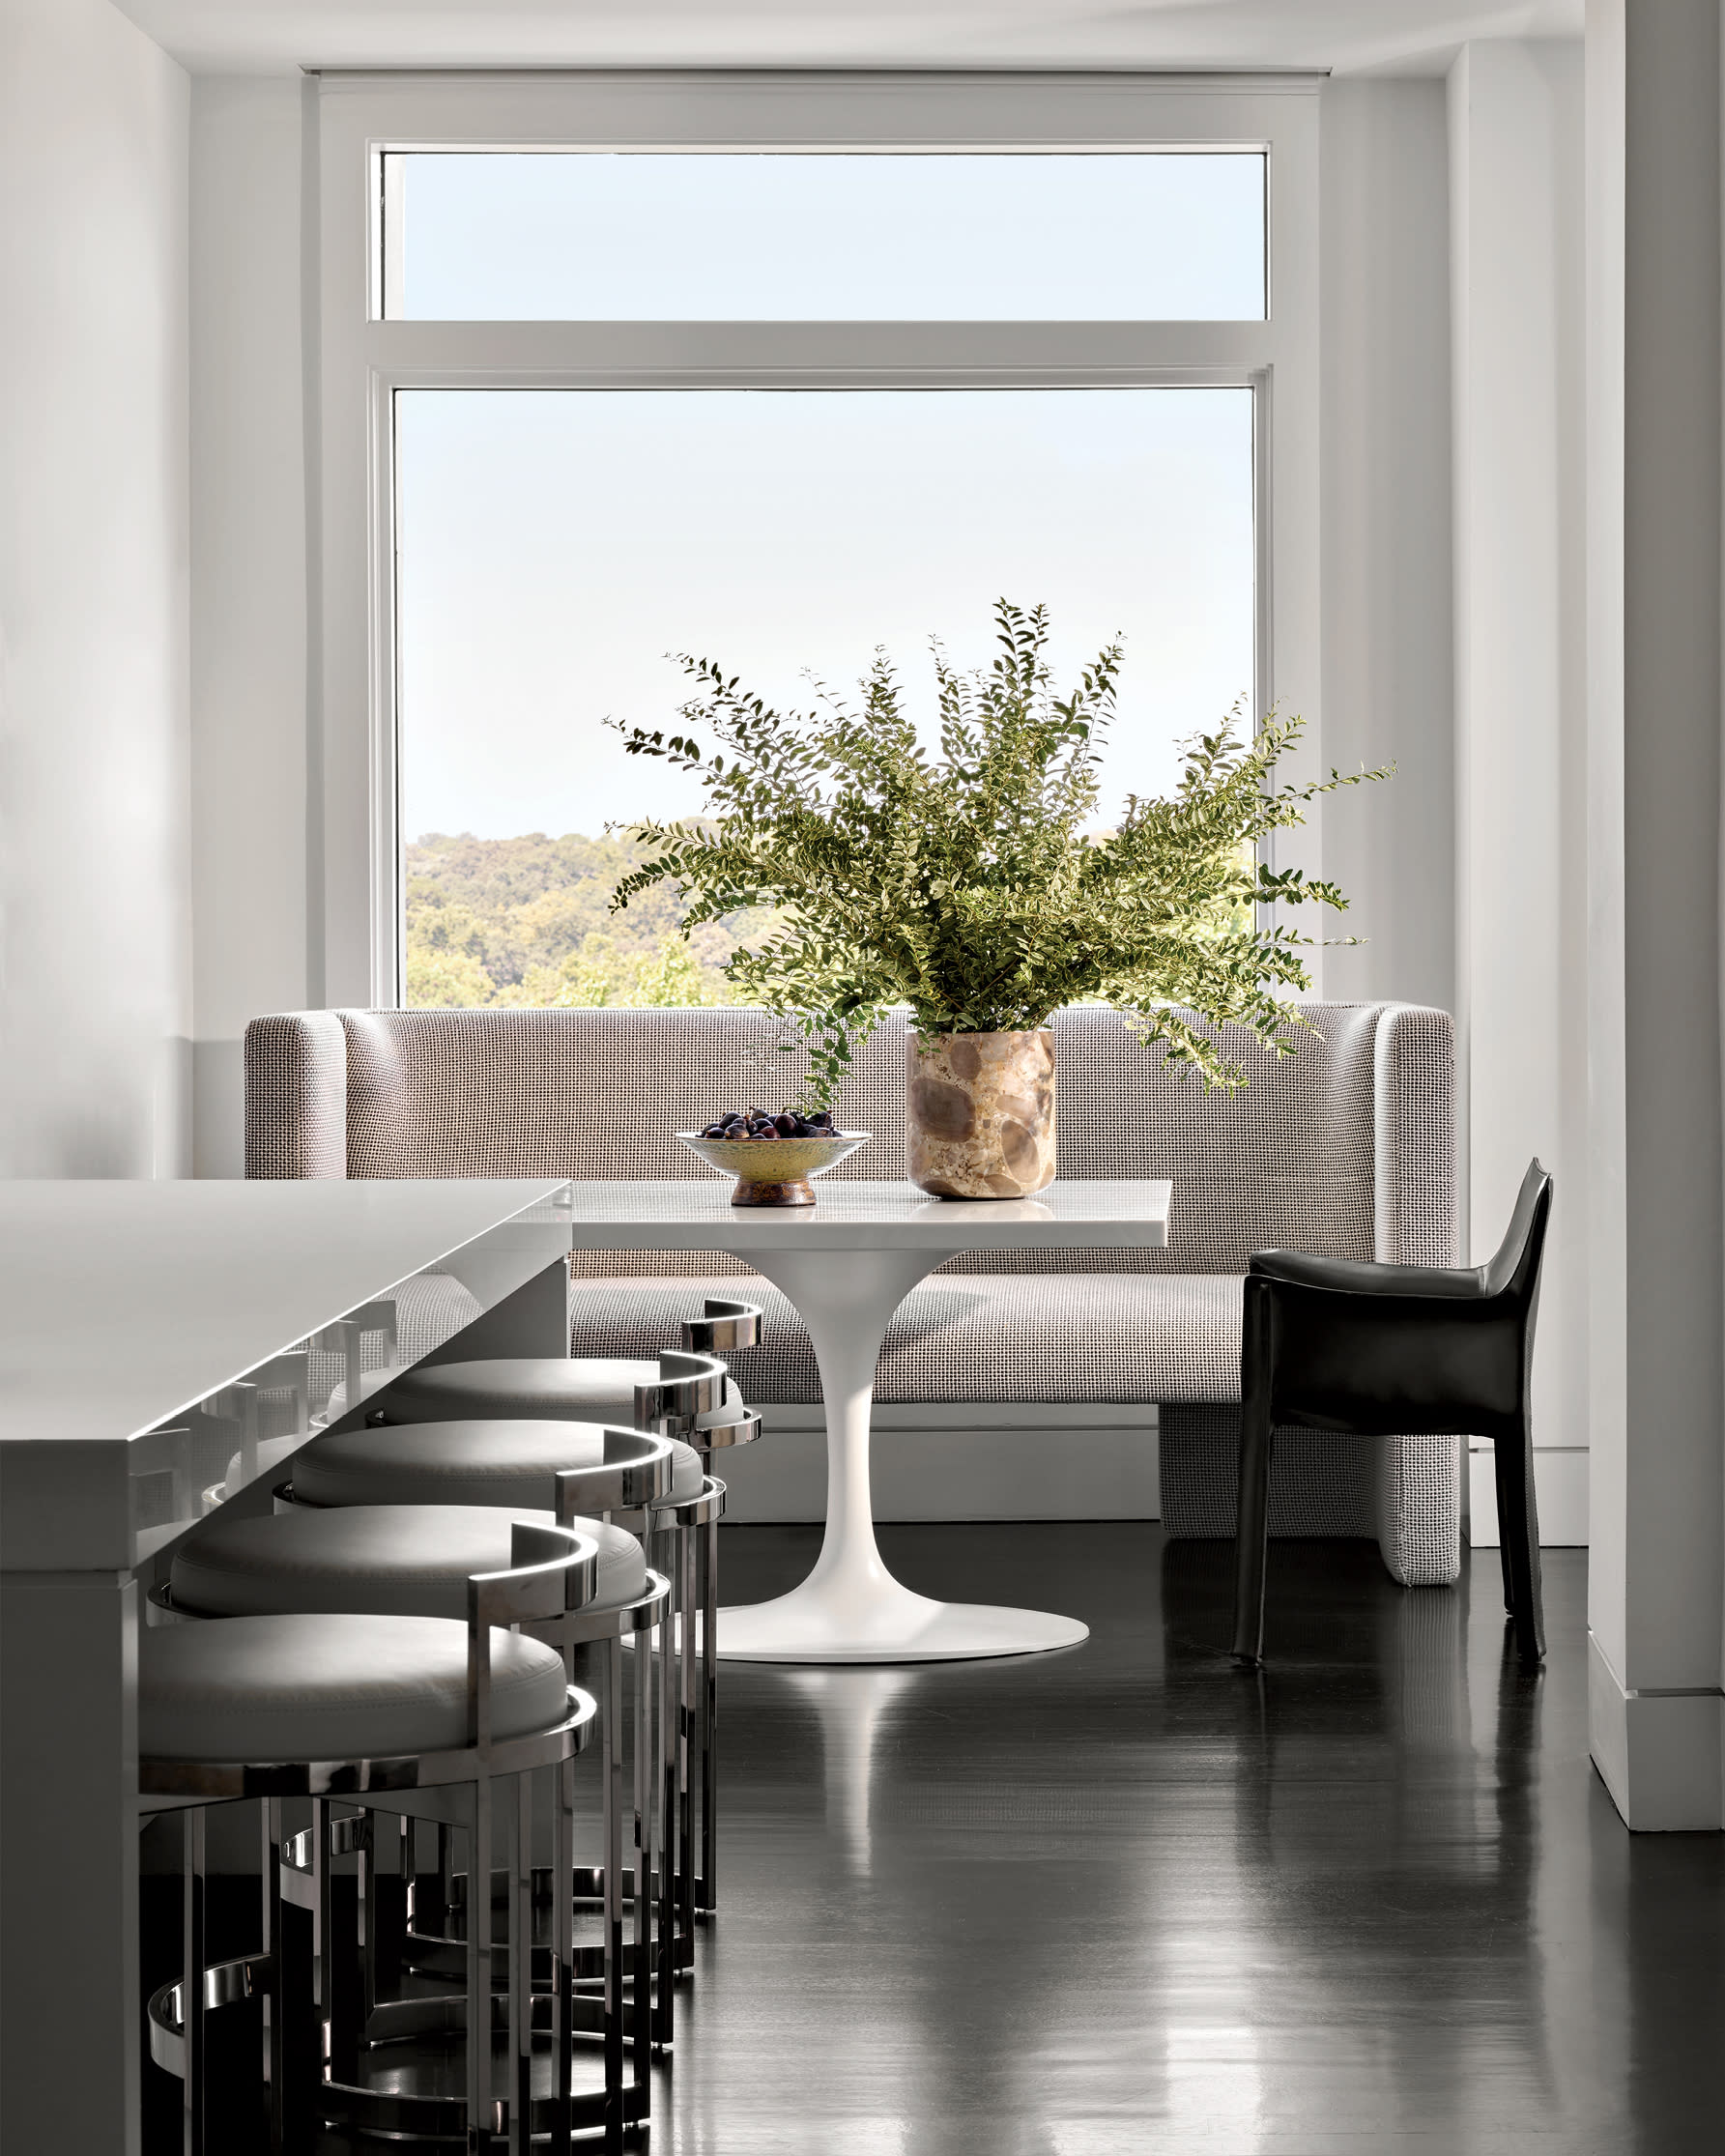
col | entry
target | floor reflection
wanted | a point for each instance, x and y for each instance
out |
(1122, 1899)
(1377, 1939)
(850, 1706)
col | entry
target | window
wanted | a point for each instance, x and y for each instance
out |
(650, 368)
(1151, 236)
(555, 545)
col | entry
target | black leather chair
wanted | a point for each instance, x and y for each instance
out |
(1333, 1344)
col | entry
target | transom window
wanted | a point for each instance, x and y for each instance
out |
(1151, 236)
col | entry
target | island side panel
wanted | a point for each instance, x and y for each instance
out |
(69, 1862)
(533, 1320)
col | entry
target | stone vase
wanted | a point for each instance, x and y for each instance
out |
(980, 1113)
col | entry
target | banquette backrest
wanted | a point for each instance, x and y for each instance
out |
(1345, 1147)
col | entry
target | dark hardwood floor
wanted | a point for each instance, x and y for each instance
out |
(1127, 1899)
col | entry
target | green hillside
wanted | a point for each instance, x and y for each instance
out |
(526, 921)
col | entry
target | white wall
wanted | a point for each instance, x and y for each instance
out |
(1388, 687)
(94, 897)
(248, 675)
(1516, 221)
(1657, 1222)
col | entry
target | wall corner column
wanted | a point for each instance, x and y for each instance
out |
(1656, 1211)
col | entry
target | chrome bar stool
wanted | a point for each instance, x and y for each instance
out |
(413, 1559)
(622, 1477)
(723, 1326)
(416, 1717)
(690, 1398)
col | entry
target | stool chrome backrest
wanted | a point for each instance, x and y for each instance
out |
(551, 1570)
(634, 1475)
(722, 1327)
(687, 1387)
(271, 1402)
(346, 1338)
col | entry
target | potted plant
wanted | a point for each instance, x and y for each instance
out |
(967, 882)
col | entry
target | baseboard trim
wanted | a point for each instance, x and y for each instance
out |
(1016, 1461)
(1660, 1754)
(1561, 1485)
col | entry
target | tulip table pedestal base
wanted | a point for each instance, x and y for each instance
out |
(850, 1608)
(889, 1624)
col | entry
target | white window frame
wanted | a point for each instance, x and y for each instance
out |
(364, 360)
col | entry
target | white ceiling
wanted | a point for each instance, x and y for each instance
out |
(1401, 37)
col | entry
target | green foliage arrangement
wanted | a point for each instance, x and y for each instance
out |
(965, 883)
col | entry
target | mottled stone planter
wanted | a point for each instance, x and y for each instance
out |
(980, 1114)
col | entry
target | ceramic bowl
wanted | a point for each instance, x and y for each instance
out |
(773, 1172)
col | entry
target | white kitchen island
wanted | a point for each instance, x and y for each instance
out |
(124, 1307)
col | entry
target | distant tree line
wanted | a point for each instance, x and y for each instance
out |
(526, 921)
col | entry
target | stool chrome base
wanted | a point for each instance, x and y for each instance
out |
(412, 2061)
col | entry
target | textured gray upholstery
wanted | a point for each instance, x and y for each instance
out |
(490, 1462)
(296, 1097)
(384, 1559)
(1346, 1148)
(593, 1388)
(264, 1689)
(1109, 1337)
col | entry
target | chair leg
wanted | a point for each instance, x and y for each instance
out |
(1251, 1532)
(520, 1822)
(479, 2112)
(295, 2036)
(563, 1940)
(709, 1732)
(664, 1669)
(195, 1960)
(1519, 1530)
(1252, 1518)
(641, 1988)
(611, 1734)
(269, 1881)
(688, 1599)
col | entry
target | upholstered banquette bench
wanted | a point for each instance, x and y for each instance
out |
(1346, 1148)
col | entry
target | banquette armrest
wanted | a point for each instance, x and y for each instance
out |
(1414, 1137)
(296, 1097)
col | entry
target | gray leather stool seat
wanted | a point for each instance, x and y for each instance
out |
(584, 1389)
(384, 1559)
(511, 1462)
(322, 1687)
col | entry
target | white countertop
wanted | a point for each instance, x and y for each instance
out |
(122, 1305)
(698, 1215)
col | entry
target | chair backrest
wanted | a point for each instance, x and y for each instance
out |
(1514, 1267)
